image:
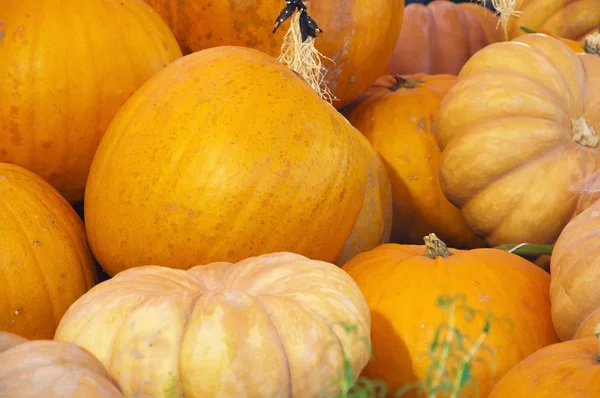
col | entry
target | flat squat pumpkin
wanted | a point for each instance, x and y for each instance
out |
(518, 132)
(276, 325)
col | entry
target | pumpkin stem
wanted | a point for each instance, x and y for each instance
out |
(592, 43)
(298, 50)
(404, 82)
(527, 30)
(583, 133)
(435, 247)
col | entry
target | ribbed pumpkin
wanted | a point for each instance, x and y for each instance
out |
(518, 131)
(276, 325)
(45, 262)
(222, 155)
(67, 66)
(403, 283)
(573, 19)
(374, 224)
(441, 36)
(568, 369)
(397, 115)
(49, 369)
(575, 267)
(358, 35)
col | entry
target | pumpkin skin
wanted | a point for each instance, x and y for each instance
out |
(396, 115)
(511, 162)
(358, 35)
(46, 368)
(58, 103)
(567, 369)
(574, 268)
(268, 326)
(374, 224)
(574, 19)
(190, 171)
(46, 263)
(402, 285)
(440, 37)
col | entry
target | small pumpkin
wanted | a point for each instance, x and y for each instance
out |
(46, 368)
(373, 226)
(201, 166)
(275, 325)
(45, 261)
(397, 116)
(567, 369)
(438, 38)
(67, 67)
(575, 266)
(358, 35)
(530, 135)
(572, 20)
(402, 284)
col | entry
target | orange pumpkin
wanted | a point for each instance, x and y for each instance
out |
(270, 326)
(402, 284)
(568, 369)
(46, 368)
(575, 266)
(396, 115)
(200, 165)
(358, 35)
(441, 36)
(67, 67)
(374, 224)
(573, 19)
(530, 134)
(45, 262)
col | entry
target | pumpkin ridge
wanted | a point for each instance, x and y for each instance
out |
(21, 229)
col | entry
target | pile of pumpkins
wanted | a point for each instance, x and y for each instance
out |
(182, 215)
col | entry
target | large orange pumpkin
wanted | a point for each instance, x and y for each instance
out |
(224, 154)
(276, 325)
(572, 19)
(49, 369)
(441, 36)
(45, 262)
(517, 132)
(358, 35)
(374, 224)
(396, 115)
(67, 66)
(568, 369)
(402, 284)
(575, 266)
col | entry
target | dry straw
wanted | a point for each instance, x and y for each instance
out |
(304, 59)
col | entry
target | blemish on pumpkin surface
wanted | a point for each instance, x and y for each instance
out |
(482, 298)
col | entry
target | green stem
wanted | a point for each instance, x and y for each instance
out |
(527, 249)
(445, 352)
(527, 30)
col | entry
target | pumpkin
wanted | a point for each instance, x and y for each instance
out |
(45, 261)
(274, 325)
(374, 223)
(438, 38)
(358, 35)
(46, 368)
(201, 165)
(402, 284)
(573, 19)
(67, 67)
(573, 44)
(396, 115)
(575, 267)
(567, 369)
(530, 134)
